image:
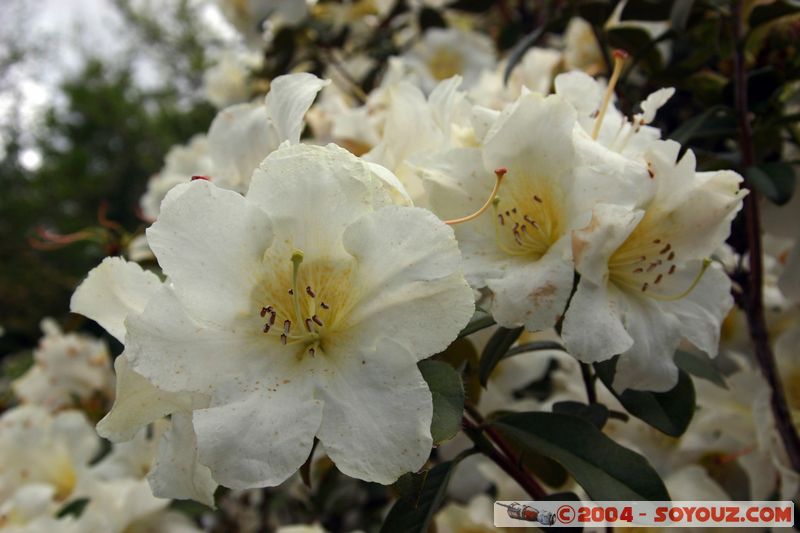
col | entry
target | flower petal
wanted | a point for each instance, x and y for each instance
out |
(377, 415)
(139, 403)
(176, 472)
(534, 294)
(262, 439)
(112, 291)
(209, 242)
(410, 284)
(287, 102)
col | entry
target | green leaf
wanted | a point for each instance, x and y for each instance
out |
(448, 398)
(775, 181)
(762, 14)
(595, 413)
(606, 470)
(480, 320)
(596, 12)
(637, 42)
(496, 349)
(414, 514)
(430, 18)
(646, 10)
(679, 14)
(700, 365)
(518, 52)
(669, 412)
(74, 508)
(714, 120)
(471, 6)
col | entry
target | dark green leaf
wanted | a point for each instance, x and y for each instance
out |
(518, 52)
(646, 10)
(595, 413)
(480, 320)
(496, 349)
(679, 15)
(596, 12)
(448, 398)
(771, 11)
(430, 18)
(74, 508)
(669, 412)
(606, 470)
(637, 42)
(775, 181)
(414, 514)
(714, 119)
(472, 6)
(700, 365)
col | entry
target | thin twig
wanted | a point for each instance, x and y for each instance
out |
(754, 301)
(505, 458)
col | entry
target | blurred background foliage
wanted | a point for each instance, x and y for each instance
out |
(97, 151)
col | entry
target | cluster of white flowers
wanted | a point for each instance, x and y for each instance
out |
(298, 282)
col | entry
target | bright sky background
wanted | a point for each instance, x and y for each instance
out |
(61, 34)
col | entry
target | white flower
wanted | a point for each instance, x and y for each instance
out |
(644, 285)
(581, 51)
(239, 138)
(227, 82)
(181, 163)
(444, 53)
(250, 16)
(375, 287)
(631, 138)
(67, 367)
(414, 127)
(39, 448)
(554, 175)
(533, 73)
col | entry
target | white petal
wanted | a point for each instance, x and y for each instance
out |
(377, 414)
(534, 294)
(593, 246)
(592, 328)
(113, 290)
(261, 440)
(648, 365)
(176, 352)
(410, 284)
(299, 184)
(240, 137)
(533, 136)
(702, 311)
(176, 472)
(288, 99)
(139, 403)
(653, 103)
(209, 242)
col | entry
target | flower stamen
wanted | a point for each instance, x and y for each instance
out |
(499, 173)
(619, 61)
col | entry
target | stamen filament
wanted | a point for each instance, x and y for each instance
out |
(297, 259)
(619, 61)
(499, 173)
(706, 264)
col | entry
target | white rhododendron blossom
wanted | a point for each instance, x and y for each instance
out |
(444, 53)
(645, 284)
(239, 138)
(553, 175)
(321, 293)
(67, 368)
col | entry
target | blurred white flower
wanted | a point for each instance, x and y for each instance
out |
(67, 368)
(227, 82)
(444, 53)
